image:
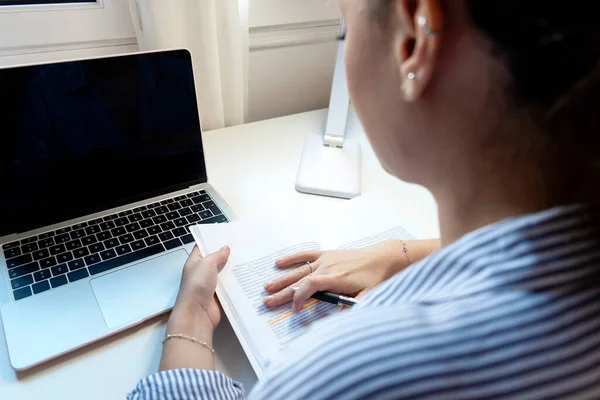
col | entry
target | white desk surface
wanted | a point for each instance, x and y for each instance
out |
(254, 168)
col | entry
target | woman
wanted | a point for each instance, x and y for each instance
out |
(491, 105)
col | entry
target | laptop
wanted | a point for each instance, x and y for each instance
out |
(102, 173)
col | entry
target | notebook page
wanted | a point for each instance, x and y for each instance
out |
(255, 246)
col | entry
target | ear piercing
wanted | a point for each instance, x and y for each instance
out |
(422, 21)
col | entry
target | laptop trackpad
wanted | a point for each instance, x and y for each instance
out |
(140, 291)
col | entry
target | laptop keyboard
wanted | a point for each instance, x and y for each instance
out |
(53, 259)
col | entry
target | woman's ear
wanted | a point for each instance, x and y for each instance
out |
(419, 44)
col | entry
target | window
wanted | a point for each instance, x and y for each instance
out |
(44, 27)
(30, 2)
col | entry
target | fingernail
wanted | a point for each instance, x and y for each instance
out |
(267, 299)
(224, 248)
(294, 310)
(268, 285)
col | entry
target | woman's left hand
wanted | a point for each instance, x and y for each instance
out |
(196, 302)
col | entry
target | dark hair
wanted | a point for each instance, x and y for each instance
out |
(552, 50)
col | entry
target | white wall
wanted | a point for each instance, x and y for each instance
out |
(292, 56)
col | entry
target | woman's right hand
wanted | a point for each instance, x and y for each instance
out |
(352, 272)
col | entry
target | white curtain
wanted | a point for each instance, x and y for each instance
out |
(216, 33)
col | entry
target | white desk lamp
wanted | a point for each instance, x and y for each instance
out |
(331, 164)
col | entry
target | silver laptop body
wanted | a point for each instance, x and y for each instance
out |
(102, 173)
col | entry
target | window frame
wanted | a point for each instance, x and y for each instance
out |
(32, 28)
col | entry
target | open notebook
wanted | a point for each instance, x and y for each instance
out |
(256, 245)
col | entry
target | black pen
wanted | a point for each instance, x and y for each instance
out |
(332, 298)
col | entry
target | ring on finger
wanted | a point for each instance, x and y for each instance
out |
(311, 269)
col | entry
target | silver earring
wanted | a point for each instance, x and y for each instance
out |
(422, 21)
(411, 76)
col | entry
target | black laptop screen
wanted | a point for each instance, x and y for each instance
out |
(86, 136)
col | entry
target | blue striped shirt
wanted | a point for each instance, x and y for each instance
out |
(511, 310)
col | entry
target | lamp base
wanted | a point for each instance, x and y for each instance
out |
(330, 171)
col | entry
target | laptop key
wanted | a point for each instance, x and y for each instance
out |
(205, 214)
(42, 244)
(46, 235)
(79, 226)
(64, 257)
(41, 287)
(148, 214)
(62, 231)
(59, 281)
(167, 226)
(174, 206)
(78, 275)
(197, 208)
(82, 252)
(110, 243)
(193, 194)
(121, 221)
(24, 270)
(62, 238)
(54, 250)
(154, 230)
(161, 210)
(219, 219)
(140, 209)
(179, 198)
(201, 198)
(210, 205)
(160, 219)
(126, 259)
(105, 226)
(172, 215)
(40, 254)
(146, 223)
(28, 248)
(42, 275)
(123, 249)
(29, 240)
(180, 222)
(93, 259)
(108, 254)
(21, 282)
(126, 238)
(135, 217)
(168, 201)
(110, 217)
(76, 264)
(91, 230)
(187, 238)
(193, 218)
(18, 261)
(140, 244)
(133, 227)
(118, 231)
(78, 234)
(186, 203)
(140, 234)
(180, 232)
(171, 244)
(11, 245)
(104, 236)
(14, 252)
(60, 270)
(75, 244)
(95, 221)
(89, 240)
(22, 293)
(125, 213)
(184, 212)
(152, 240)
(165, 236)
(48, 262)
(96, 248)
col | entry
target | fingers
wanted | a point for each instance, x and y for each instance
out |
(299, 258)
(288, 279)
(284, 296)
(218, 259)
(311, 285)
